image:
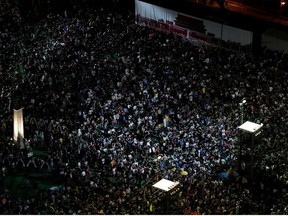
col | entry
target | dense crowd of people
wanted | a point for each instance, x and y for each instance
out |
(106, 97)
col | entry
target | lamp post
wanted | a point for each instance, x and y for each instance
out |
(281, 5)
(241, 104)
(157, 170)
(241, 110)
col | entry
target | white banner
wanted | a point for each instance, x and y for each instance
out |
(18, 130)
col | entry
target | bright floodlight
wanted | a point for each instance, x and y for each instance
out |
(250, 127)
(165, 185)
